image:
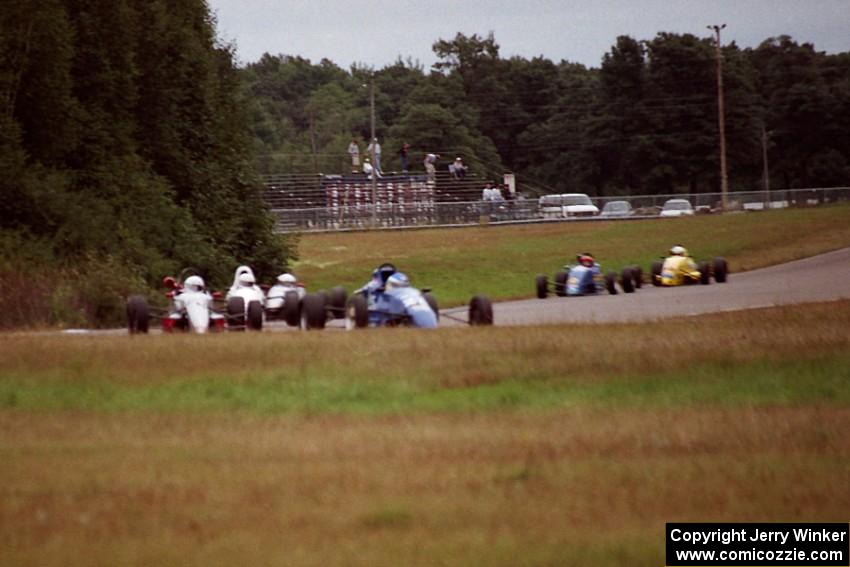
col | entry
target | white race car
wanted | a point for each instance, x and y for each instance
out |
(191, 309)
(245, 302)
(283, 300)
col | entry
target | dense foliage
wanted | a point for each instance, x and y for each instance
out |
(124, 155)
(645, 121)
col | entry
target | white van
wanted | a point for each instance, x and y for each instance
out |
(567, 205)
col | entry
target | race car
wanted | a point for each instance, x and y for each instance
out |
(388, 300)
(245, 301)
(283, 300)
(680, 269)
(585, 278)
(191, 307)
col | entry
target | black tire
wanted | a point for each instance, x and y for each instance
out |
(611, 282)
(561, 283)
(313, 311)
(255, 316)
(236, 314)
(637, 274)
(480, 311)
(721, 270)
(704, 273)
(292, 309)
(432, 303)
(357, 312)
(138, 315)
(337, 300)
(627, 280)
(541, 283)
(655, 270)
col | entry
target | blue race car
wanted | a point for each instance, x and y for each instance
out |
(585, 278)
(394, 304)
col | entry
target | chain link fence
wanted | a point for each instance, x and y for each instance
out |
(398, 210)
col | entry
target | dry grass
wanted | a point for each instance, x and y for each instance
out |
(502, 261)
(587, 473)
(506, 489)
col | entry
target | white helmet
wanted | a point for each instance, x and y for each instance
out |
(194, 283)
(678, 251)
(246, 279)
(397, 280)
(286, 279)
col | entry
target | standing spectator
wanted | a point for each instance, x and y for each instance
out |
(354, 152)
(457, 169)
(375, 147)
(402, 154)
(430, 167)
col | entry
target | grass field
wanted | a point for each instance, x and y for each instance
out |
(483, 446)
(502, 261)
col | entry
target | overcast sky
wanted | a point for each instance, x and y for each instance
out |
(377, 32)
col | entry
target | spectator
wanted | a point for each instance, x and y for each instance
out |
(402, 154)
(457, 169)
(354, 152)
(369, 170)
(375, 148)
(430, 167)
(487, 193)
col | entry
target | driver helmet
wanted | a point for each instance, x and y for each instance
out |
(397, 280)
(386, 270)
(678, 250)
(246, 279)
(286, 279)
(194, 283)
(586, 259)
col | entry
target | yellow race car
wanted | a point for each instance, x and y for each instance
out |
(680, 269)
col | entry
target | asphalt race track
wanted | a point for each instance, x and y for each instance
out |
(820, 278)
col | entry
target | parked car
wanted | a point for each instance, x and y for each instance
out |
(677, 208)
(617, 209)
(567, 205)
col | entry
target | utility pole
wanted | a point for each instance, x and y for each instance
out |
(721, 120)
(766, 172)
(372, 153)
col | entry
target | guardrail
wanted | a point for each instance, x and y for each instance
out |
(398, 215)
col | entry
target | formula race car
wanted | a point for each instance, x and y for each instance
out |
(585, 278)
(680, 269)
(283, 300)
(191, 309)
(245, 301)
(387, 300)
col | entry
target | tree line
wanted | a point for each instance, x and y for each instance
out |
(124, 156)
(644, 122)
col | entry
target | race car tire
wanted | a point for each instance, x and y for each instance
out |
(541, 284)
(236, 314)
(480, 311)
(637, 273)
(561, 283)
(357, 313)
(313, 311)
(704, 273)
(611, 282)
(255, 316)
(432, 303)
(292, 309)
(627, 281)
(337, 298)
(655, 270)
(721, 270)
(138, 315)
